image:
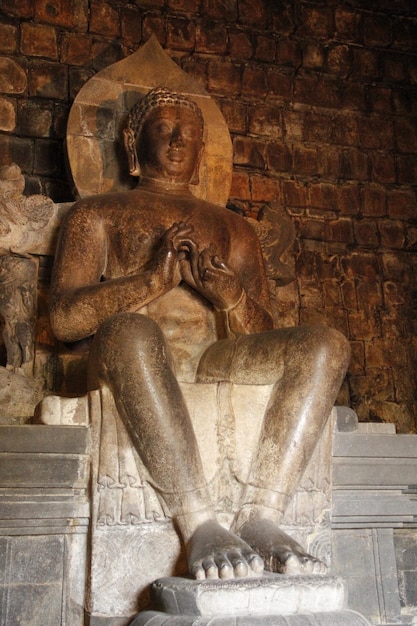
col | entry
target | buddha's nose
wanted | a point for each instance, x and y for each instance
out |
(176, 137)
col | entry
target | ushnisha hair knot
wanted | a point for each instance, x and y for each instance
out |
(159, 97)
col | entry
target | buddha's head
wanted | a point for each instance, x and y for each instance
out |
(164, 137)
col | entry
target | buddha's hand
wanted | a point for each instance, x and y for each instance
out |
(174, 241)
(214, 279)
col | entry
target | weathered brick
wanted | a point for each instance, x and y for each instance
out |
(253, 12)
(328, 163)
(340, 230)
(131, 25)
(366, 233)
(376, 131)
(253, 80)
(394, 68)
(76, 49)
(379, 99)
(263, 189)
(348, 199)
(48, 80)
(312, 229)
(240, 189)
(235, 114)
(383, 167)
(16, 150)
(247, 151)
(57, 12)
(315, 22)
(266, 120)
(392, 234)
(376, 30)
(316, 128)
(294, 123)
(323, 196)
(357, 358)
(345, 129)
(7, 114)
(374, 200)
(279, 83)
(406, 134)
(240, 45)
(278, 156)
(224, 77)
(12, 77)
(8, 38)
(19, 8)
(289, 52)
(34, 119)
(189, 6)
(283, 16)
(60, 119)
(104, 19)
(384, 354)
(365, 64)
(48, 160)
(305, 160)
(180, 33)
(295, 193)
(362, 325)
(265, 49)
(406, 169)
(313, 55)
(350, 301)
(402, 204)
(316, 91)
(352, 96)
(355, 165)
(80, 14)
(211, 38)
(39, 40)
(339, 60)
(404, 34)
(221, 9)
(347, 24)
(404, 100)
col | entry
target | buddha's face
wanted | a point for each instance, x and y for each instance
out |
(170, 144)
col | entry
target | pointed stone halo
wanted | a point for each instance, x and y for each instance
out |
(98, 115)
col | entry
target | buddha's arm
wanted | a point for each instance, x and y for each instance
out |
(80, 302)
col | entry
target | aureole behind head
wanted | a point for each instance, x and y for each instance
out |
(99, 113)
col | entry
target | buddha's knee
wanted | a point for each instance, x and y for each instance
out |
(126, 341)
(328, 347)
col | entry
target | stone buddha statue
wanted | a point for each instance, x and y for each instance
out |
(173, 288)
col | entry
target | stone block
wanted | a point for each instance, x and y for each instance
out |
(279, 83)
(365, 65)
(43, 438)
(253, 80)
(48, 80)
(347, 23)
(406, 134)
(12, 77)
(264, 189)
(8, 38)
(19, 8)
(401, 204)
(295, 193)
(253, 12)
(131, 25)
(104, 19)
(366, 233)
(221, 9)
(16, 150)
(37, 470)
(271, 594)
(76, 48)
(305, 160)
(265, 49)
(240, 45)
(376, 30)
(247, 151)
(374, 200)
(224, 77)
(240, 189)
(39, 40)
(34, 118)
(313, 55)
(57, 12)
(211, 37)
(289, 52)
(181, 34)
(7, 114)
(355, 165)
(278, 157)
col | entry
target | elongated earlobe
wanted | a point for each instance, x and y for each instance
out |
(195, 179)
(130, 147)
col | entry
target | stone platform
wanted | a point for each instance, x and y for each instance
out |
(271, 600)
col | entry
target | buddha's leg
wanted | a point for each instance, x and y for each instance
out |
(129, 355)
(307, 366)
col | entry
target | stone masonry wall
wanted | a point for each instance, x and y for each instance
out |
(321, 100)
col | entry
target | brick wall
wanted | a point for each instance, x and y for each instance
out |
(321, 101)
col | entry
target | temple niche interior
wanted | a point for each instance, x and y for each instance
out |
(320, 100)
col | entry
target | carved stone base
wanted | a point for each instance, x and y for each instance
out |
(272, 599)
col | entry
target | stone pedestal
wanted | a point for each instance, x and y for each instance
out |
(272, 600)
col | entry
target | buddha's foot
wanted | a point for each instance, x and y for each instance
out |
(215, 552)
(280, 553)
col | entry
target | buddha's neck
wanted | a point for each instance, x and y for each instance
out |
(159, 185)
